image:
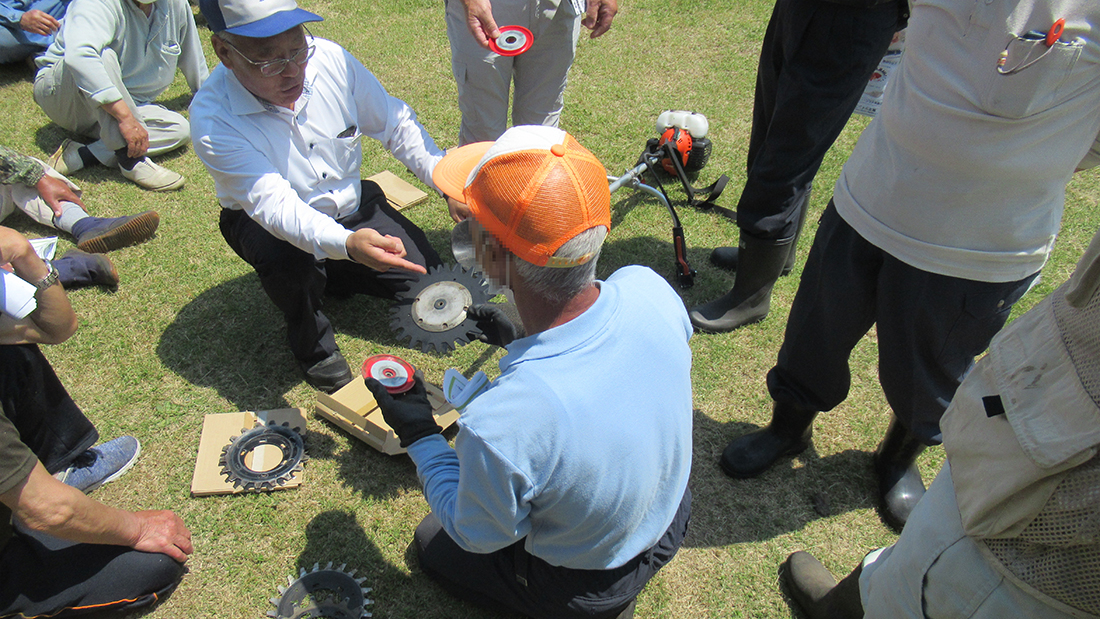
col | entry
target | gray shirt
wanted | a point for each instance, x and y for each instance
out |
(148, 48)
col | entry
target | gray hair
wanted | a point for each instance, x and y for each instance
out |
(558, 285)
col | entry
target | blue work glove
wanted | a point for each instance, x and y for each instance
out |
(495, 326)
(409, 413)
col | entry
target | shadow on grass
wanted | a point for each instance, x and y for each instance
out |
(371, 473)
(15, 72)
(657, 254)
(232, 338)
(784, 498)
(338, 537)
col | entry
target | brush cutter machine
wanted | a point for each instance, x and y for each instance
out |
(682, 148)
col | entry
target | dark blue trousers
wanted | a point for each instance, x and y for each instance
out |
(44, 576)
(296, 281)
(512, 580)
(930, 327)
(816, 60)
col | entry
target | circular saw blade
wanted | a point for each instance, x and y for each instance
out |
(322, 592)
(433, 312)
(287, 440)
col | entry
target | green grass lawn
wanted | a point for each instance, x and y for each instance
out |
(190, 333)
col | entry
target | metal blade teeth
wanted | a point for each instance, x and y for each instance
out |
(341, 600)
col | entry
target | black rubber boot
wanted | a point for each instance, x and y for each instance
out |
(727, 257)
(816, 592)
(899, 483)
(750, 298)
(788, 434)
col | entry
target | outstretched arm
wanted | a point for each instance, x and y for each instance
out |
(381, 253)
(47, 505)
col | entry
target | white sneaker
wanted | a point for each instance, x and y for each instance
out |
(66, 160)
(152, 176)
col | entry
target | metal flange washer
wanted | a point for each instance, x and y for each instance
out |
(433, 312)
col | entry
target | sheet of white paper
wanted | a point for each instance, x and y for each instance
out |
(17, 295)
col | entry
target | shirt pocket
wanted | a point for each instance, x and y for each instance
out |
(342, 156)
(1036, 87)
(166, 60)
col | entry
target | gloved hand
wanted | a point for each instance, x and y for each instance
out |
(410, 413)
(496, 328)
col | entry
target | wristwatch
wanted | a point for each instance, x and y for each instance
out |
(50, 279)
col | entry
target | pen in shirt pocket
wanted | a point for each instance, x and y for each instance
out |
(347, 133)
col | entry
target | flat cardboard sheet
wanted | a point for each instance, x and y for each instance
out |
(399, 193)
(218, 430)
(354, 409)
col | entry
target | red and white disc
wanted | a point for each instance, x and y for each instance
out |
(513, 41)
(395, 374)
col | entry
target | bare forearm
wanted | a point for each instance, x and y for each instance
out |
(46, 505)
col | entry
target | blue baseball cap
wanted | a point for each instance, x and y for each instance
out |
(254, 18)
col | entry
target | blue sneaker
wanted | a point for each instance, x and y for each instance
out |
(99, 235)
(101, 464)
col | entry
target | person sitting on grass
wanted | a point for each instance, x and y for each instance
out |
(29, 27)
(52, 200)
(567, 488)
(61, 551)
(101, 76)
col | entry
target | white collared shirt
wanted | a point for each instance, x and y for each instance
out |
(295, 172)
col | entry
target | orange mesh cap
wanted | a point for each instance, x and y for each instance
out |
(534, 189)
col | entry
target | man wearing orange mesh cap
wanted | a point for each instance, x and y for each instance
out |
(566, 489)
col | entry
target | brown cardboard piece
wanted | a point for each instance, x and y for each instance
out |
(354, 409)
(219, 429)
(399, 193)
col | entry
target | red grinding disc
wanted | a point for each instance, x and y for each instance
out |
(513, 41)
(395, 374)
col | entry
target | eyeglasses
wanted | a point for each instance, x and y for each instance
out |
(271, 68)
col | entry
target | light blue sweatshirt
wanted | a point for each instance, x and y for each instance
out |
(583, 444)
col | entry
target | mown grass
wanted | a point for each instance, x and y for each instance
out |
(190, 333)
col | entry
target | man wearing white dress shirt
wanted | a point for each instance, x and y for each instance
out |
(278, 127)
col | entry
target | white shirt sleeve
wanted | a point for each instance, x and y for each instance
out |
(393, 123)
(247, 180)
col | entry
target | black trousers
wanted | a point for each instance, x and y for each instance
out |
(930, 327)
(296, 281)
(815, 63)
(44, 576)
(550, 592)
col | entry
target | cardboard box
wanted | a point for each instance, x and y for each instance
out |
(399, 193)
(354, 409)
(219, 430)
